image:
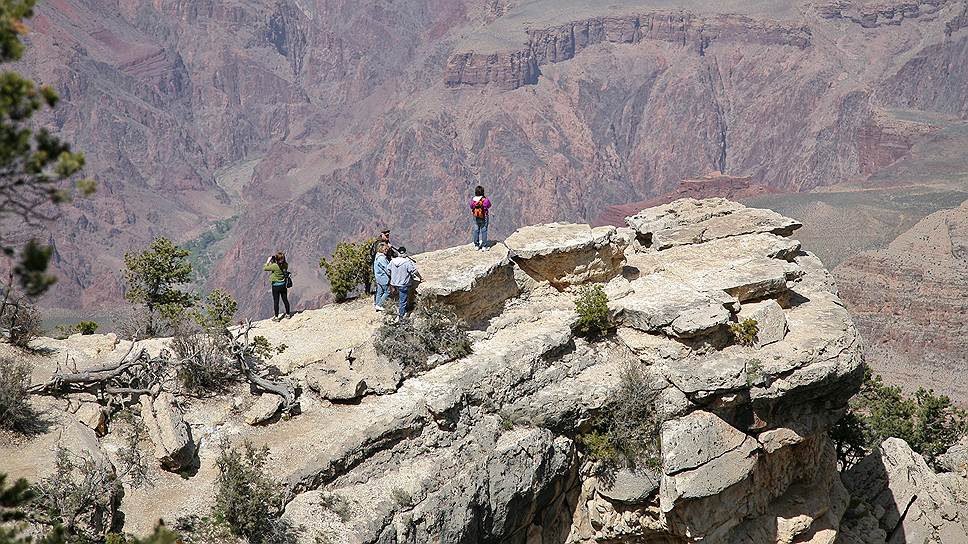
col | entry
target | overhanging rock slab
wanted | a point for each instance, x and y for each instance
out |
(475, 283)
(566, 254)
(690, 221)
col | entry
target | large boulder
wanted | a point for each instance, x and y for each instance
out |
(691, 221)
(659, 302)
(171, 435)
(911, 502)
(747, 267)
(771, 323)
(568, 254)
(701, 456)
(474, 283)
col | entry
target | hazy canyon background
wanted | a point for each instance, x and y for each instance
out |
(239, 128)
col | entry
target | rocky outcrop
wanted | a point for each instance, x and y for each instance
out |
(475, 284)
(909, 502)
(511, 69)
(878, 13)
(909, 301)
(566, 254)
(486, 448)
(689, 221)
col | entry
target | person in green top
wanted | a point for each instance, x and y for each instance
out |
(278, 270)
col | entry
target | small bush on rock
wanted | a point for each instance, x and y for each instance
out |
(433, 329)
(86, 327)
(591, 304)
(929, 423)
(627, 431)
(15, 411)
(20, 322)
(82, 496)
(745, 332)
(247, 499)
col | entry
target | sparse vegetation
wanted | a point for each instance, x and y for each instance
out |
(134, 466)
(348, 268)
(929, 423)
(626, 432)
(203, 349)
(81, 327)
(433, 329)
(754, 371)
(744, 332)
(401, 497)
(337, 505)
(20, 321)
(161, 535)
(15, 411)
(81, 496)
(247, 499)
(591, 304)
(153, 277)
(86, 327)
(205, 250)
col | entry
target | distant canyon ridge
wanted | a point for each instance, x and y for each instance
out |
(240, 128)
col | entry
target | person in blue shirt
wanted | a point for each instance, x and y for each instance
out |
(403, 272)
(381, 272)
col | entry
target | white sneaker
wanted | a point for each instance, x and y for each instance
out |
(378, 308)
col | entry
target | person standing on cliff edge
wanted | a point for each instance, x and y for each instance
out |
(403, 272)
(480, 211)
(281, 280)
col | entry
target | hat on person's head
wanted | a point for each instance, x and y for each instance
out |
(385, 230)
(402, 250)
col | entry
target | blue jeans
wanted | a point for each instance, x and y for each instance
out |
(480, 231)
(382, 294)
(404, 292)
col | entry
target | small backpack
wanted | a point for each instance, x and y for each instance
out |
(288, 275)
(479, 211)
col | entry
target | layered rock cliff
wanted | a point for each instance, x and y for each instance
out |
(910, 300)
(483, 448)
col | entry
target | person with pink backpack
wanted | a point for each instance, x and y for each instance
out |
(480, 211)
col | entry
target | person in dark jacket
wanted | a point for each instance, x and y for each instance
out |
(278, 270)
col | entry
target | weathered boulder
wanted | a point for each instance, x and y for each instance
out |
(912, 503)
(92, 415)
(746, 267)
(771, 323)
(335, 385)
(264, 409)
(701, 456)
(631, 486)
(35, 459)
(171, 435)
(567, 254)
(691, 221)
(955, 460)
(474, 283)
(659, 302)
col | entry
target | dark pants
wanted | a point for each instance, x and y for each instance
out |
(279, 291)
